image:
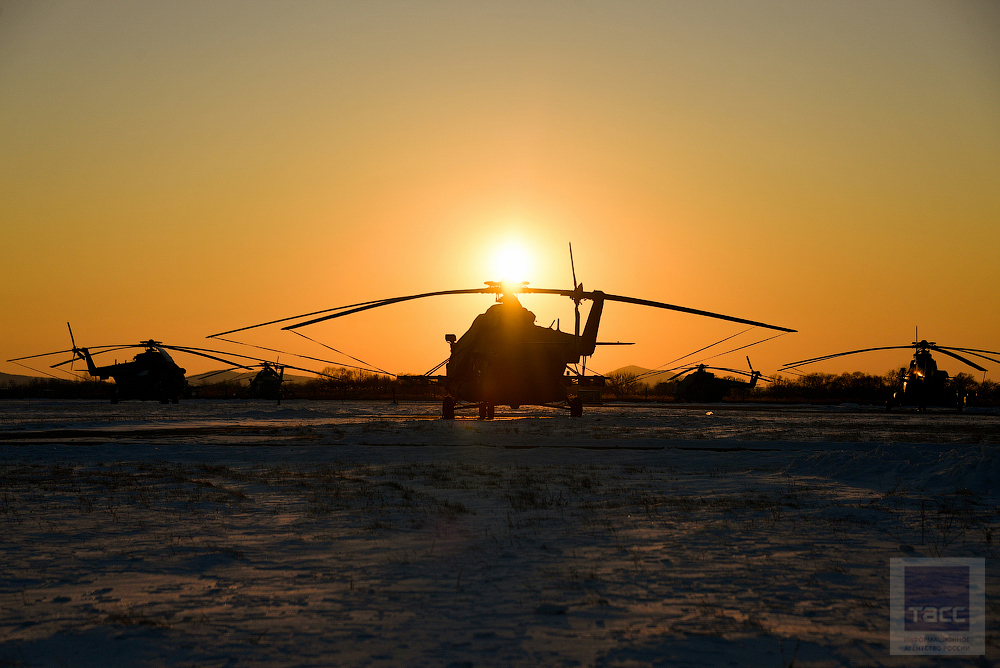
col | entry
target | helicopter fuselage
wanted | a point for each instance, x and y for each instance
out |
(923, 384)
(505, 358)
(703, 385)
(151, 375)
(267, 384)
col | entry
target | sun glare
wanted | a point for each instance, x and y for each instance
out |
(510, 263)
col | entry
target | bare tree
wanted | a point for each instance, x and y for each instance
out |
(623, 383)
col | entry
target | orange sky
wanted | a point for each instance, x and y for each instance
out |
(175, 169)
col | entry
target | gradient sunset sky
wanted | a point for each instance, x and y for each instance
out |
(175, 169)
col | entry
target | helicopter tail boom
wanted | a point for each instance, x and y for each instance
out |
(588, 342)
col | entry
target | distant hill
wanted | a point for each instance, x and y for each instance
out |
(8, 379)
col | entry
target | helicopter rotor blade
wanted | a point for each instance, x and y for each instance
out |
(958, 357)
(29, 357)
(682, 373)
(385, 302)
(71, 350)
(792, 365)
(974, 352)
(684, 309)
(575, 294)
(101, 350)
(299, 368)
(294, 317)
(203, 352)
(727, 370)
(202, 377)
(281, 352)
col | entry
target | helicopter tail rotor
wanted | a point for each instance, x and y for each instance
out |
(73, 343)
(577, 288)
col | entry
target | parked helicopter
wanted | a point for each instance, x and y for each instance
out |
(504, 358)
(266, 384)
(922, 384)
(151, 375)
(700, 384)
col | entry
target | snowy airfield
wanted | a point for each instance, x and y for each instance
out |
(371, 534)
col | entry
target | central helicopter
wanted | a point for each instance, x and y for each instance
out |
(922, 384)
(505, 358)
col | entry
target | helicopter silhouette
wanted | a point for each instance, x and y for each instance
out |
(267, 383)
(922, 384)
(151, 374)
(701, 385)
(506, 359)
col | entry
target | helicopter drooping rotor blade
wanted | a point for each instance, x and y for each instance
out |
(498, 289)
(202, 377)
(792, 365)
(728, 370)
(974, 352)
(394, 300)
(958, 357)
(280, 352)
(678, 375)
(299, 368)
(739, 372)
(199, 351)
(683, 309)
(78, 355)
(28, 357)
(294, 317)
(206, 353)
(367, 367)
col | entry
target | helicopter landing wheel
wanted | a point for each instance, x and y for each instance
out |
(576, 407)
(448, 409)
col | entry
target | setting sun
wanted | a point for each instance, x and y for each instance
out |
(511, 263)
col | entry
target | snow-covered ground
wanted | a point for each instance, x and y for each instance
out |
(329, 533)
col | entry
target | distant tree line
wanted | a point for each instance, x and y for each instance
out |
(823, 388)
(57, 388)
(353, 384)
(334, 383)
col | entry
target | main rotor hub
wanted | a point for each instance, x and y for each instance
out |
(506, 289)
